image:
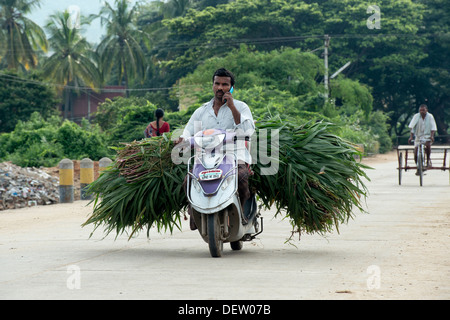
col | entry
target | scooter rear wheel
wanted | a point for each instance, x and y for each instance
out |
(215, 241)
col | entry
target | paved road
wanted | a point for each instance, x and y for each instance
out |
(399, 250)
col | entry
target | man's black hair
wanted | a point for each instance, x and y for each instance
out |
(222, 72)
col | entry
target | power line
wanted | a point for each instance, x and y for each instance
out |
(186, 44)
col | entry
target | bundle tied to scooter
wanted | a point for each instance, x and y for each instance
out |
(317, 183)
(319, 180)
(142, 188)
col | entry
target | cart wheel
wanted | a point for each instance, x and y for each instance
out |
(400, 165)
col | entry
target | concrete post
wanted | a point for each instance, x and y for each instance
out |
(66, 181)
(104, 163)
(86, 177)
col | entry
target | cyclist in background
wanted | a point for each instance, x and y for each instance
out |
(423, 127)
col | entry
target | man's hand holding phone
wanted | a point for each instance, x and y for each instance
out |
(228, 96)
(228, 99)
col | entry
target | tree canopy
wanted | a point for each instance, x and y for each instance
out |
(20, 37)
(166, 51)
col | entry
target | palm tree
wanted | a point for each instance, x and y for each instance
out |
(72, 63)
(122, 45)
(20, 37)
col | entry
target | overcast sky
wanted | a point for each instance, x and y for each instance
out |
(86, 7)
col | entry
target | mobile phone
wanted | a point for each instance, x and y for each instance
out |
(231, 91)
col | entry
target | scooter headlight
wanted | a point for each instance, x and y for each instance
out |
(209, 142)
(228, 180)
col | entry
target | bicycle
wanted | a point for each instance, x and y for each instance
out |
(420, 164)
(421, 159)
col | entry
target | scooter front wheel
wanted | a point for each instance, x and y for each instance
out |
(215, 241)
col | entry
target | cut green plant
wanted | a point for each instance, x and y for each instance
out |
(317, 185)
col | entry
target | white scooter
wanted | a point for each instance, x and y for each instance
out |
(212, 191)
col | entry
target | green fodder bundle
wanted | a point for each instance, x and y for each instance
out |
(142, 188)
(318, 181)
(309, 174)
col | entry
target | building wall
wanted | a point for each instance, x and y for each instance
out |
(86, 103)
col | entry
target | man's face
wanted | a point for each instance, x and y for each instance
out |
(220, 86)
(423, 111)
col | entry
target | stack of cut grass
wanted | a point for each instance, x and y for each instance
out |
(318, 182)
(317, 185)
(142, 188)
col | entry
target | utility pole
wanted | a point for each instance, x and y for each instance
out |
(325, 56)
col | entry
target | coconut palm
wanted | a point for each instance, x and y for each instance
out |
(20, 37)
(72, 63)
(121, 47)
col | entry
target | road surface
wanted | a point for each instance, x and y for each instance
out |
(398, 250)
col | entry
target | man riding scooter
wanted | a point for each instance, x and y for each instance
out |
(224, 112)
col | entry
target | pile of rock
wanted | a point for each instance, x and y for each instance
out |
(22, 187)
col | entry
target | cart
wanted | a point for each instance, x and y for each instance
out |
(405, 153)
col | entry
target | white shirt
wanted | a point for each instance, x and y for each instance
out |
(204, 118)
(422, 127)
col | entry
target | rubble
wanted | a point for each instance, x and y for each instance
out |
(22, 187)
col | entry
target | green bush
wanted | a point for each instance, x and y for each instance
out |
(45, 154)
(83, 141)
(125, 119)
(23, 94)
(44, 142)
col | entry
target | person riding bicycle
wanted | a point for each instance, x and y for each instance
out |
(423, 127)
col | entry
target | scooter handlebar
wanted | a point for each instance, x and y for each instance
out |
(230, 136)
